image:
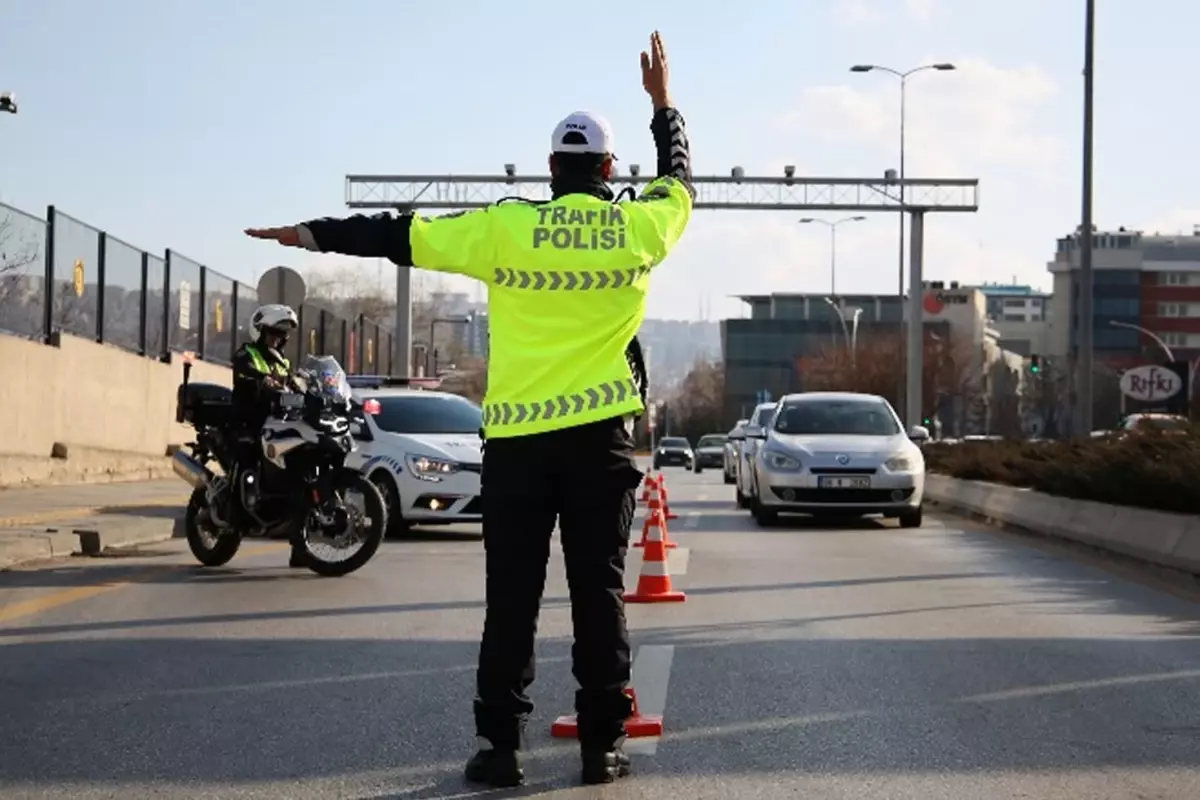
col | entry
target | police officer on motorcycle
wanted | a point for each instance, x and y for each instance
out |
(260, 373)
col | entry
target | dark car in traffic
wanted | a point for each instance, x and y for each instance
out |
(710, 452)
(673, 451)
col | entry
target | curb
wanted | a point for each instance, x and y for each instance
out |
(24, 546)
(1158, 538)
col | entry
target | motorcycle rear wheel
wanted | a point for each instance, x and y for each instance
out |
(221, 550)
(376, 512)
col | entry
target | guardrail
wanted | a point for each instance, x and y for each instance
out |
(60, 275)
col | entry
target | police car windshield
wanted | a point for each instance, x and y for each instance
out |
(420, 413)
(836, 417)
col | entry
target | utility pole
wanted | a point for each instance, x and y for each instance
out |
(1085, 405)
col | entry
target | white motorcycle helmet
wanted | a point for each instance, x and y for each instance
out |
(275, 318)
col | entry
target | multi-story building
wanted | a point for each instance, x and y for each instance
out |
(1150, 281)
(761, 352)
(1020, 315)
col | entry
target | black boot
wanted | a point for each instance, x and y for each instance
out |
(604, 766)
(298, 558)
(496, 768)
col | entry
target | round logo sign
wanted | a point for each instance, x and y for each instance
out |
(933, 303)
(1150, 383)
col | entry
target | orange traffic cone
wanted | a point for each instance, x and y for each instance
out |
(649, 487)
(637, 726)
(654, 583)
(654, 517)
(662, 492)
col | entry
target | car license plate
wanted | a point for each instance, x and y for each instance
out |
(843, 482)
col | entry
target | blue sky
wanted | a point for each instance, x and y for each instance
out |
(176, 124)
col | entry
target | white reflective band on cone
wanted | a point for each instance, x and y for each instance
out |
(656, 569)
(654, 534)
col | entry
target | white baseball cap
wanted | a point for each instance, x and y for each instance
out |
(583, 132)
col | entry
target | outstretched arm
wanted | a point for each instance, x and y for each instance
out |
(460, 243)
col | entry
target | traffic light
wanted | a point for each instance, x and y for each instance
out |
(1035, 364)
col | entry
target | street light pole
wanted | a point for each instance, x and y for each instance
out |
(833, 226)
(903, 77)
(1086, 360)
(1158, 340)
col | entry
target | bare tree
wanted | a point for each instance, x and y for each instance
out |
(876, 366)
(20, 298)
(697, 404)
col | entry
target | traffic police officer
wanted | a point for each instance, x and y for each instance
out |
(567, 293)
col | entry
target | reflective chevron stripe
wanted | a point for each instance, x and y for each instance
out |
(556, 280)
(606, 394)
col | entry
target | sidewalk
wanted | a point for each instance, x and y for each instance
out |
(53, 521)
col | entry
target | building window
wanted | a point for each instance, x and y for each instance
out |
(1178, 309)
(1175, 278)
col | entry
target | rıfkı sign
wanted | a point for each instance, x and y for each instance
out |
(936, 301)
(1150, 383)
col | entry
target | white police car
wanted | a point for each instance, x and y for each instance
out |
(420, 447)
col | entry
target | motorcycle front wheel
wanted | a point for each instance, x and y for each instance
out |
(369, 523)
(211, 547)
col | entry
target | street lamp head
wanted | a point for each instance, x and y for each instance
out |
(862, 68)
(807, 219)
(945, 67)
(857, 219)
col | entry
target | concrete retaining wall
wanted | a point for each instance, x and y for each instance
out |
(1158, 537)
(90, 397)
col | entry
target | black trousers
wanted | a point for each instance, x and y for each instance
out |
(586, 478)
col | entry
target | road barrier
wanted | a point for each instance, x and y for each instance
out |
(59, 275)
(1155, 537)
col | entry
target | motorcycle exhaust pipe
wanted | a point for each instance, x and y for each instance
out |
(190, 470)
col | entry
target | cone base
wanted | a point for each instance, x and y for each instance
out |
(638, 726)
(668, 545)
(662, 597)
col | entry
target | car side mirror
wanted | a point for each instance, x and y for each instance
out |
(918, 434)
(756, 432)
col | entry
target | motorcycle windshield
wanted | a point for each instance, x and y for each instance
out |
(328, 377)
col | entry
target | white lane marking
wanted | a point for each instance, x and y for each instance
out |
(677, 562)
(691, 520)
(651, 676)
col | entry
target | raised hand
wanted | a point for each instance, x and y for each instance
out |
(654, 72)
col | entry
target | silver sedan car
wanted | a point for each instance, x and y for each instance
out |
(837, 454)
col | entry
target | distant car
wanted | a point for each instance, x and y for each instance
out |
(837, 454)
(1167, 423)
(710, 451)
(762, 417)
(673, 451)
(422, 450)
(733, 441)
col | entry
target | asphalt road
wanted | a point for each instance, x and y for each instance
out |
(857, 662)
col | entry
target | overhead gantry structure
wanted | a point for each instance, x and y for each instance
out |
(737, 192)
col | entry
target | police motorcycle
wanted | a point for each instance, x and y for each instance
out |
(301, 488)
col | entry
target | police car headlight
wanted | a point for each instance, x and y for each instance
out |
(430, 469)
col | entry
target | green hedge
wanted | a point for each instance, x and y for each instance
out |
(1149, 469)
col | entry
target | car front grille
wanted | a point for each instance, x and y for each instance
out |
(849, 496)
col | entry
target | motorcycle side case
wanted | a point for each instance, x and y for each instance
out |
(203, 404)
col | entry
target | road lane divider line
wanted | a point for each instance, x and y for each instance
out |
(37, 605)
(692, 521)
(651, 678)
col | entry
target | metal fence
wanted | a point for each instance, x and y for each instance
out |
(61, 275)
